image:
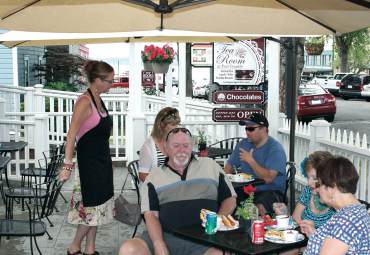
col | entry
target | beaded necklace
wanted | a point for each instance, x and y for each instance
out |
(318, 205)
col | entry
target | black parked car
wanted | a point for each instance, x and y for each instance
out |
(352, 85)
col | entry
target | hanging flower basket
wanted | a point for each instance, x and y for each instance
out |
(314, 48)
(160, 58)
(148, 66)
(160, 67)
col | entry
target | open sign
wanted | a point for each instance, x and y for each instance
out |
(233, 114)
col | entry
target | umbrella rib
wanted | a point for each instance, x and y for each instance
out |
(185, 3)
(145, 3)
(306, 16)
(360, 2)
(11, 13)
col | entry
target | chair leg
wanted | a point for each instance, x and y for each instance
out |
(65, 200)
(37, 246)
(31, 244)
(50, 223)
(124, 183)
(49, 236)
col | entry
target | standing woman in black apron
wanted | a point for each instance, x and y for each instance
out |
(92, 197)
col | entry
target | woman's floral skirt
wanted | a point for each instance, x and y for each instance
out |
(89, 216)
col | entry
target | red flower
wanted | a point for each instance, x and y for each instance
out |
(249, 189)
(157, 54)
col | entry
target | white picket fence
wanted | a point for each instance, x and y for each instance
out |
(47, 114)
(319, 135)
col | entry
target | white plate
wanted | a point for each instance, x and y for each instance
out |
(275, 240)
(290, 226)
(239, 178)
(222, 227)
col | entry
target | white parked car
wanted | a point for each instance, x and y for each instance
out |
(334, 84)
(200, 91)
(321, 80)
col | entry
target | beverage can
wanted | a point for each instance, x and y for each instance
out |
(258, 232)
(211, 223)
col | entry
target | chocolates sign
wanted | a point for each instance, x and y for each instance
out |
(233, 114)
(240, 63)
(238, 97)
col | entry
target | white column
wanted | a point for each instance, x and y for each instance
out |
(29, 99)
(168, 90)
(39, 99)
(2, 117)
(273, 65)
(41, 134)
(182, 80)
(135, 120)
(320, 129)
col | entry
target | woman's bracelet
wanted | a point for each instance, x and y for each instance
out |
(69, 166)
(68, 162)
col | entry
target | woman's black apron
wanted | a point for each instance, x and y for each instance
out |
(95, 163)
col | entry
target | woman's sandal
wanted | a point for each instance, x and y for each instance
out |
(75, 253)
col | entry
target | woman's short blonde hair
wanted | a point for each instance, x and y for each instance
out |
(166, 116)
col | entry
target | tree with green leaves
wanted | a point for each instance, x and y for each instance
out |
(61, 67)
(353, 51)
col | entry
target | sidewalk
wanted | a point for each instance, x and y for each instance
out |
(108, 239)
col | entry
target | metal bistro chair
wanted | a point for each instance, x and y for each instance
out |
(133, 168)
(289, 184)
(133, 171)
(49, 156)
(25, 192)
(229, 143)
(42, 207)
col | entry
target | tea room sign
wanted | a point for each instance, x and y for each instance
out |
(240, 63)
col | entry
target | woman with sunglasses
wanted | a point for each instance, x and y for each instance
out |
(348, 230)
(309, 206)
(152, 153)
(92, 196)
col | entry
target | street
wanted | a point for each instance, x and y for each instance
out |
(353, 115)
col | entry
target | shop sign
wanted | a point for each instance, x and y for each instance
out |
(238, 97)
(147, 78)
(238, 63)
(233, 114)
(201, 54)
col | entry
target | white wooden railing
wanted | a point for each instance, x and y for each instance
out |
(47, 114)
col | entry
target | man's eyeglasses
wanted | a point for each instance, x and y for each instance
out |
(251, 129)
(179, 129)
(107, 81)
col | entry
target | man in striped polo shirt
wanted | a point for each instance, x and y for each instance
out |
(173, 195)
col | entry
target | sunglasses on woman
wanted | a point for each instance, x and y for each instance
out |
(251, 129)
(179, 129)
(170, 115)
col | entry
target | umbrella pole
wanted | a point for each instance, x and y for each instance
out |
(292, 51)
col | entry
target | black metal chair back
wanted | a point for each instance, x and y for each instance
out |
(46, 201)
(229, 143)
(133, 170)
(289, 184)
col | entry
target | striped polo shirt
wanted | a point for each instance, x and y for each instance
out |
(179, 199)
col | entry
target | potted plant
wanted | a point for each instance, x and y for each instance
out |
(247, 211)
(202, 140)
(157, 58)
(314, 45)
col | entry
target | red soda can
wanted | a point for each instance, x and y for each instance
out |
(258, 232)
